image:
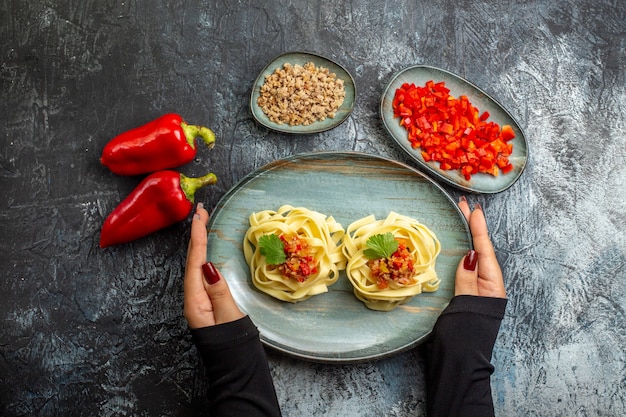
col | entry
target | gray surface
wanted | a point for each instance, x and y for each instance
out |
(91, 332)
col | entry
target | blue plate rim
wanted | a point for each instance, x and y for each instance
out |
(276, 164)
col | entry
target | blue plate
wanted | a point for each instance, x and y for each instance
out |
(302, 58)
(479, 183)
(335, 326)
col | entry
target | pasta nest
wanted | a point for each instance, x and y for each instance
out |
(422, 244)
(322, 234)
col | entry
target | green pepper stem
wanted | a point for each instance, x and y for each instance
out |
(193, 131)
(190, 185)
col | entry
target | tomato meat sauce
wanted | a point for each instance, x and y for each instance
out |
(452, 131)
(300, 262)
(399, 268)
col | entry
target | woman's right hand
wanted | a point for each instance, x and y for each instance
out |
(478, 272)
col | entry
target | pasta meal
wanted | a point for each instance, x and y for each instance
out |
(391, 260)
(293, 253)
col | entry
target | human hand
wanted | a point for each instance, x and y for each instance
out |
(208, 300)
(478, 272)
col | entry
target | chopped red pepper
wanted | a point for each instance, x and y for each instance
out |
(160, 200)
(451, 130)
(166, 142)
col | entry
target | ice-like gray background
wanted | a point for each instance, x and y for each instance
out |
(92, 332)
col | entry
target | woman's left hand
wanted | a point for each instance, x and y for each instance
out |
(208, 300)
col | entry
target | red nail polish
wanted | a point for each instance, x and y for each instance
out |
(210, 273)
(470, 260)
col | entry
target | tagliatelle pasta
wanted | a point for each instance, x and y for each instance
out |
(421, 243)
(321, 235)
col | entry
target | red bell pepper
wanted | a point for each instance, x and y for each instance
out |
(160, 200)
(166, 142)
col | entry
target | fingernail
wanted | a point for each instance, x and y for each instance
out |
(470, 260)
(196, 216)
(200, 205)
(210, 273)
(462, 199)
(478, 206)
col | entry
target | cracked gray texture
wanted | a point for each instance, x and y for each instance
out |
(93, 332)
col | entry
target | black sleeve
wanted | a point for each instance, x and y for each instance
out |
(240, 383)
(458, 357)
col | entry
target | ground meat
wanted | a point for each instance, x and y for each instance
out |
(301, 95)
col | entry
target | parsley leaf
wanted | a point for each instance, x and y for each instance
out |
(380, 246)
(273, 249)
